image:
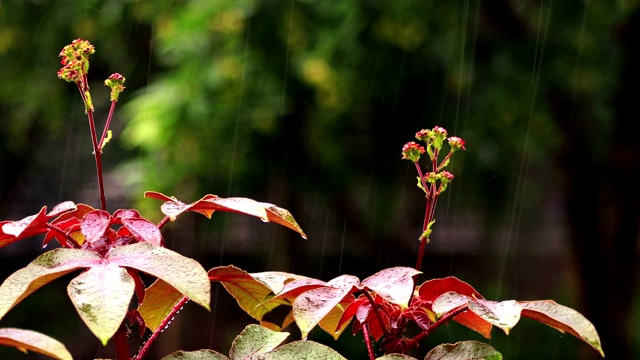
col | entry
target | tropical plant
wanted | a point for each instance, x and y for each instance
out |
(113, 249)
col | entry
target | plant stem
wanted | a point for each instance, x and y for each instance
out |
(443, 320)
(161, 327)
(121, 343)
(74, 243)
(367, 340)
(82, 87)
(374, 307)
(106, 126)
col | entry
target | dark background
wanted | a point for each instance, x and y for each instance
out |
(306, 104)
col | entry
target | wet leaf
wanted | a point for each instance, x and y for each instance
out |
(183, 273)
(430, 290)
(205, 354)
(307, 350)
(143, 230)
(253, 296)
(396, 357)
(101, 296)
(27, 340)
(255, 341)
(62, 208)
(159, 300)
(41, 271)
(277, 280)
(330, 323)
(464, 350)
(503, 314)
(564, 319)
(208, 204)
(393, 284)
(94, 225)
(12, 231)
(310, 307)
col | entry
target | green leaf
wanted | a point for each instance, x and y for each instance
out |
(101, 295)
(393, 284)
(259, 343)
(307, 350)
(27, 340)
(41, 271)
(563, 319)
(396, 357)
(205, 354)
(255, 341)
(464, 350)
(159, 300)
(184, 274)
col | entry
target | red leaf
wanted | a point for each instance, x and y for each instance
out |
(420, 317)
(126, 214)
(432, 289)
(208, 204)
(351, 310)
(143, 230)
(12, 231)
(294, 288)
(63, 207)
(94, 225)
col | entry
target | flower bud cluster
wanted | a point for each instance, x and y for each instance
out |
(75, 60)
(434, 140)
(412, 151)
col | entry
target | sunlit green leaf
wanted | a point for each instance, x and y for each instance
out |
(196, 355)
(464, 350)
(255, 341)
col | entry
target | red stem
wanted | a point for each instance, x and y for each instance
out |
(161, 327)
(367, 340)
(106, 126)
(443, 320)
(374, 307)
(94, 139)
(121, 343)
(70, 239)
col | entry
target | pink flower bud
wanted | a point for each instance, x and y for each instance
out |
(456, 143)
(412, 151)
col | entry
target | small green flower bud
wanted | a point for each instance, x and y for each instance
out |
(116, 83)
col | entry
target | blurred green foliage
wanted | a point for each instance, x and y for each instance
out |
(307, 104)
